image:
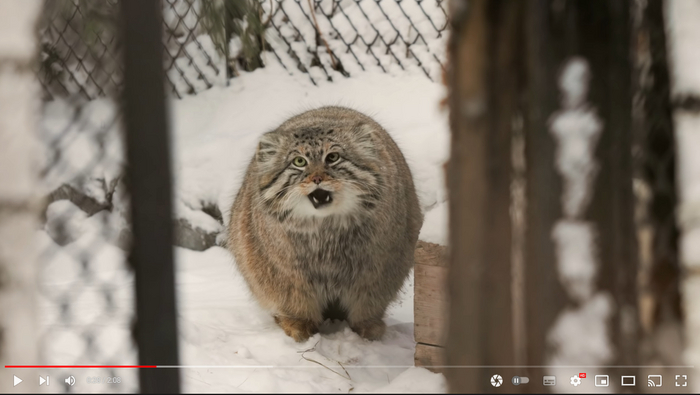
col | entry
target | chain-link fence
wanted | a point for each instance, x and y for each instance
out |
(87, 309)
(325, 39)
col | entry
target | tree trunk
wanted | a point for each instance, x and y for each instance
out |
(19, 106)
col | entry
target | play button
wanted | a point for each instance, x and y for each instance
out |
(17, 380)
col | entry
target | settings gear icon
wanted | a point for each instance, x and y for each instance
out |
(575, 380)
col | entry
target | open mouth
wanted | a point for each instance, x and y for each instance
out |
(320, 198)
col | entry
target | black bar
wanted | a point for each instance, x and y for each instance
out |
(148, 172)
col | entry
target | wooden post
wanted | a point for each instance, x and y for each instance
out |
(485, 80)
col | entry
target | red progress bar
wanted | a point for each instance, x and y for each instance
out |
(80, 366)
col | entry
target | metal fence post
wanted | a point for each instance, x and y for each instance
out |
(149, 178)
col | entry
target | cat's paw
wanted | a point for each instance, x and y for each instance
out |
(370, 329)
(298, 329)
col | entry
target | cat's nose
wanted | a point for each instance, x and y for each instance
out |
(316, 179)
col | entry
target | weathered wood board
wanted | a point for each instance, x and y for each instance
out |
(428, 356)
(430, 303)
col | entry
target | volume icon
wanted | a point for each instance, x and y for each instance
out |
(70, 381)
(43, 381)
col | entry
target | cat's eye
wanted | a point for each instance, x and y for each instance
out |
(332, 157)
(299, 161)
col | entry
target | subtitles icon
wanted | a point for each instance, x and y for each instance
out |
(549, 380)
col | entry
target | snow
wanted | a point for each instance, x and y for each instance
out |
(222, 325)
(684, 33)
(594, 346)
(575, 257)
(579, 335)
(19, 19)
(214, 136)
(687, 127)
(576, 129)
(18, 90)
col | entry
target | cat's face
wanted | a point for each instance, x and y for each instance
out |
(318, 171)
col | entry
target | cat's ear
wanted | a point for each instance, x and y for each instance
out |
(269, 145)
(366, 136)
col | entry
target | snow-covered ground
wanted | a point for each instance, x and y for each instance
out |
(214, 136)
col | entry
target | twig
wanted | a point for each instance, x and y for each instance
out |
(246, 379)
(269, 18)
(319, 363)
(318, 30)
(346, 372)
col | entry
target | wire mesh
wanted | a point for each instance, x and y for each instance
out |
(86, 284)
(86, 309)
(322, 38)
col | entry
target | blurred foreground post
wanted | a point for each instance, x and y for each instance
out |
(149, 177)
(561, 71)
(485, 80)
(581, 246)
(20, 106)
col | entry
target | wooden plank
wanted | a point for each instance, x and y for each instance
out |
(430, 254)
(430, 304)
(428, 356)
